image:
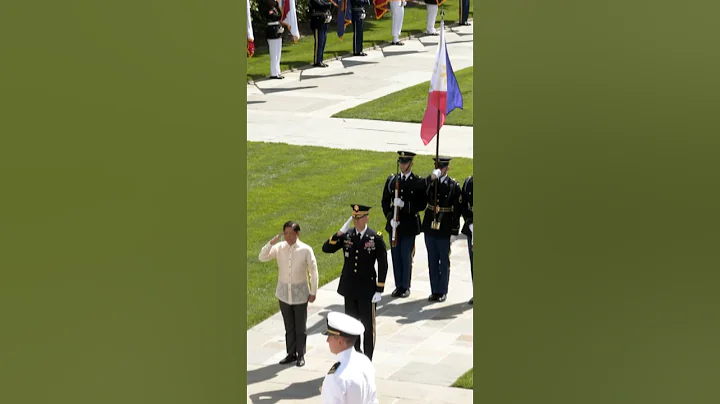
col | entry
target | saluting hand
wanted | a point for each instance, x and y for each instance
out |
(275, 239)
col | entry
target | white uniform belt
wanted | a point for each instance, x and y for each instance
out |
(274, 23)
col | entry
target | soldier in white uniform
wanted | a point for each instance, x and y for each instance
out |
(352, 379)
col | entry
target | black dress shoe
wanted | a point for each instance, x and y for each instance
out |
(405, 293)
(398, 43)
(360, 54)
(288, 359)
(300, 362)
(319, 65)
(471, 301)
(433, 298)
(277, 77)
(432, 33)
(442, 298)
(395, 293)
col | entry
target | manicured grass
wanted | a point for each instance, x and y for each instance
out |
(314, 186)
(375, 32)
(409, 105)
(465, 381)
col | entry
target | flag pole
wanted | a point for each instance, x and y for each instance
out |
(437, 140)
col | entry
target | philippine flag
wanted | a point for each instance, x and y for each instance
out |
(444, 93)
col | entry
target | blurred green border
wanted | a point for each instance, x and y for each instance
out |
(122, 170)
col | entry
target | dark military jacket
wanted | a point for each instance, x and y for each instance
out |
(449, 200)
(358, 279)
(358, 5)
(466, 207)
(272, 14)
(412, 192)
(319, 9)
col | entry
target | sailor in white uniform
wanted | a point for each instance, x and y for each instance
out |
(352, 379)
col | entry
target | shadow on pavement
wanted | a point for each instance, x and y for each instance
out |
(321, 325)
(401, 53)
(417, 310)
(295, 391)
(350, 63)
(281, 90)
(319, 76)
(264, 374)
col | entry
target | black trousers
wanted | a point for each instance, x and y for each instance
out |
(363, 310)
(295, 318)
(357, 24)
(320, 32)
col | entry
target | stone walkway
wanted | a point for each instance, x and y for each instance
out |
(422, 347)
(297, 110)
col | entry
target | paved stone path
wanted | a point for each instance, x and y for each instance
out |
(422, 347)
(297, 110)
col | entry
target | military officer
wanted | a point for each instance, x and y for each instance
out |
(442, 220)
(464, 12)
(358, 15)
(351, 379)
(319, 18)
(272, 13)
(432, 10)
(410, 202)
(359, 284)
(466, 209)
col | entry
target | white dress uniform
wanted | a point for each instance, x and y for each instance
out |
(397, 8)
(352, 379)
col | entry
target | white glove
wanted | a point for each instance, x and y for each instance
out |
(470, 227)
(393, 223)
(436, 173)
(376, 297)
(472, 235)
(404, 3)
(346, 226)
(398, 202)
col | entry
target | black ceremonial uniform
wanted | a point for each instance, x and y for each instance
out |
(412, 193)
(359, 281)
(319, 18)
(271, 12)
(466, 209)
(358, 15)
(437, 240)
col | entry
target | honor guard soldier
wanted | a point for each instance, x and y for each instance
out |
(358, 15)
(319, 18)
(351, 379)
(359, 284)
(404, 195)
(464, 12)
(272, 13)
(432, 10)
(441, 221)
(397, 8)
(466, 209)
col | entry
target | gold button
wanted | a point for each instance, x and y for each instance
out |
(356, 257)
(356, 264)
(356, 270)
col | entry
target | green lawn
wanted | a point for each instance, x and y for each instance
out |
(376, 32)
(465, 381)
(409, 105)
(315, 187)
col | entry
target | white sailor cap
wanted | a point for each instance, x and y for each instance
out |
(343, 325)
